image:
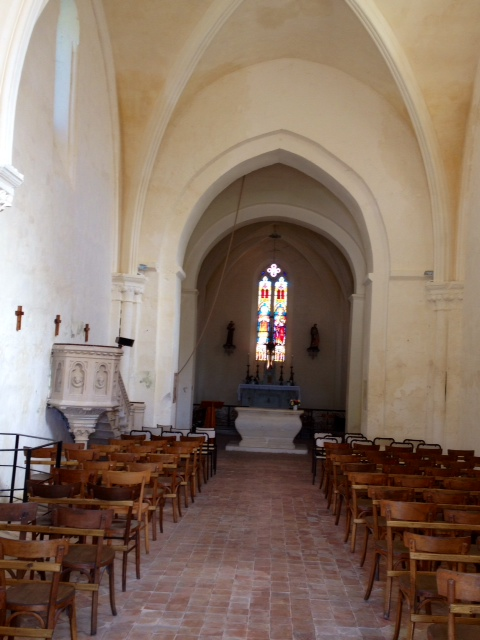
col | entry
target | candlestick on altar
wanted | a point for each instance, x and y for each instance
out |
(292, 381)
(247, 377)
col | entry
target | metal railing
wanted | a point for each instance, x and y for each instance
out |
(16, 455)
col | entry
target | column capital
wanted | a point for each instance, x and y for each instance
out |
(10, 179)
(128, 288)
(445, 295)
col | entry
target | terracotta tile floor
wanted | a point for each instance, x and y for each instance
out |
(256, 557)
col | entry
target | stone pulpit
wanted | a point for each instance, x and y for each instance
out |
(84, 385)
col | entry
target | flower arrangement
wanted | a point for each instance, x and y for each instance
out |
(294, 404)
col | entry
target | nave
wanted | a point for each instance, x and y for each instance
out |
(256, 557)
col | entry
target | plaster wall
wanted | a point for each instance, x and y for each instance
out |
(57, 239)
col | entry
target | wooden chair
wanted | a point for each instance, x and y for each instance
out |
(375, 523)
(429, 448)
(140, 438)
(397, 447)
(463, 454)
(153, 494)
(462, 593)
(391, 549)
(318, 454)
(40, 600)
(359, 504)
(419, 588)
(169, 481)
(420, 513)
(89, 559)
(124, 534)
(140, 508)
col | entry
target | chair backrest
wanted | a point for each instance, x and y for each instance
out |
(436, 544)
(414, 481)
(399, 494)
(466, 484)
(458, 516)
(19, 512)
(136, 438)
(80, 455)
(365, 444)
(41, 490)
(461, 453)
(369, 478)
(399, 446)
(429, 447)
(82, 518)
(447, 496)
(412, 511)
(348, 437)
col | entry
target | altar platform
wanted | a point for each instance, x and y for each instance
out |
(268, 430)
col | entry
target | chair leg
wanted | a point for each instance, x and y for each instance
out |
(111, 587)
(365, 546)
(371, 579)
(72, 615)
(398, 617)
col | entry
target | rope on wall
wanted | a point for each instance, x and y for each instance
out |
(224, 269)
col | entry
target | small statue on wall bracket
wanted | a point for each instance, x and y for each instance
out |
(313, 349)
(229, 346)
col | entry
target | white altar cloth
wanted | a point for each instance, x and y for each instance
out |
(267, 430)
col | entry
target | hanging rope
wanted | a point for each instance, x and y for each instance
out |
(224, 269)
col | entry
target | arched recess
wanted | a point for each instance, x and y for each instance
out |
(370, 264)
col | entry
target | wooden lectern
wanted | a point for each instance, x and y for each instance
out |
(211, 407)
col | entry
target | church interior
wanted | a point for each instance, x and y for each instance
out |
(204, 201)
(158, 157)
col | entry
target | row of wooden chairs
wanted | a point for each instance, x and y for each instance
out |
(462, 492)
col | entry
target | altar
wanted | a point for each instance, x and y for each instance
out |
(267, 396)
(267, 430)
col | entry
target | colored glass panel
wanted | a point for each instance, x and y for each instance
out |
(272, 316)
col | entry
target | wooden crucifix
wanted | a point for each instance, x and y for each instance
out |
(86, 331)
(19, 313)
(57, 322)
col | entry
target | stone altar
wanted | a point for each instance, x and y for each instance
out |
(268, 430)
(267, 396)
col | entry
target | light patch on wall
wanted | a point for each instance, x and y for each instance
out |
(146, 380)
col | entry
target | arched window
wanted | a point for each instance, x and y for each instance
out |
(272, 315)
(68, 38)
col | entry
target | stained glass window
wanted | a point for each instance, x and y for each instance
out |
(272, 315)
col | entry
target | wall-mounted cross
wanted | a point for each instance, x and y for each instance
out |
(19, 313)
(86, 331)
(57, 322)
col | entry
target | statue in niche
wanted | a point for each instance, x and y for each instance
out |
(77, 379)
(101, 380)
(230, 332)
(57, 387)
(314, 338)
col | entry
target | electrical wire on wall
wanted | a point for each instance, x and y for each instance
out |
(224, 269)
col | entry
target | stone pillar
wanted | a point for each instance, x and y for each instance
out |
(127, 297)
(446, 297)
(355, 364)
(185, 378)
